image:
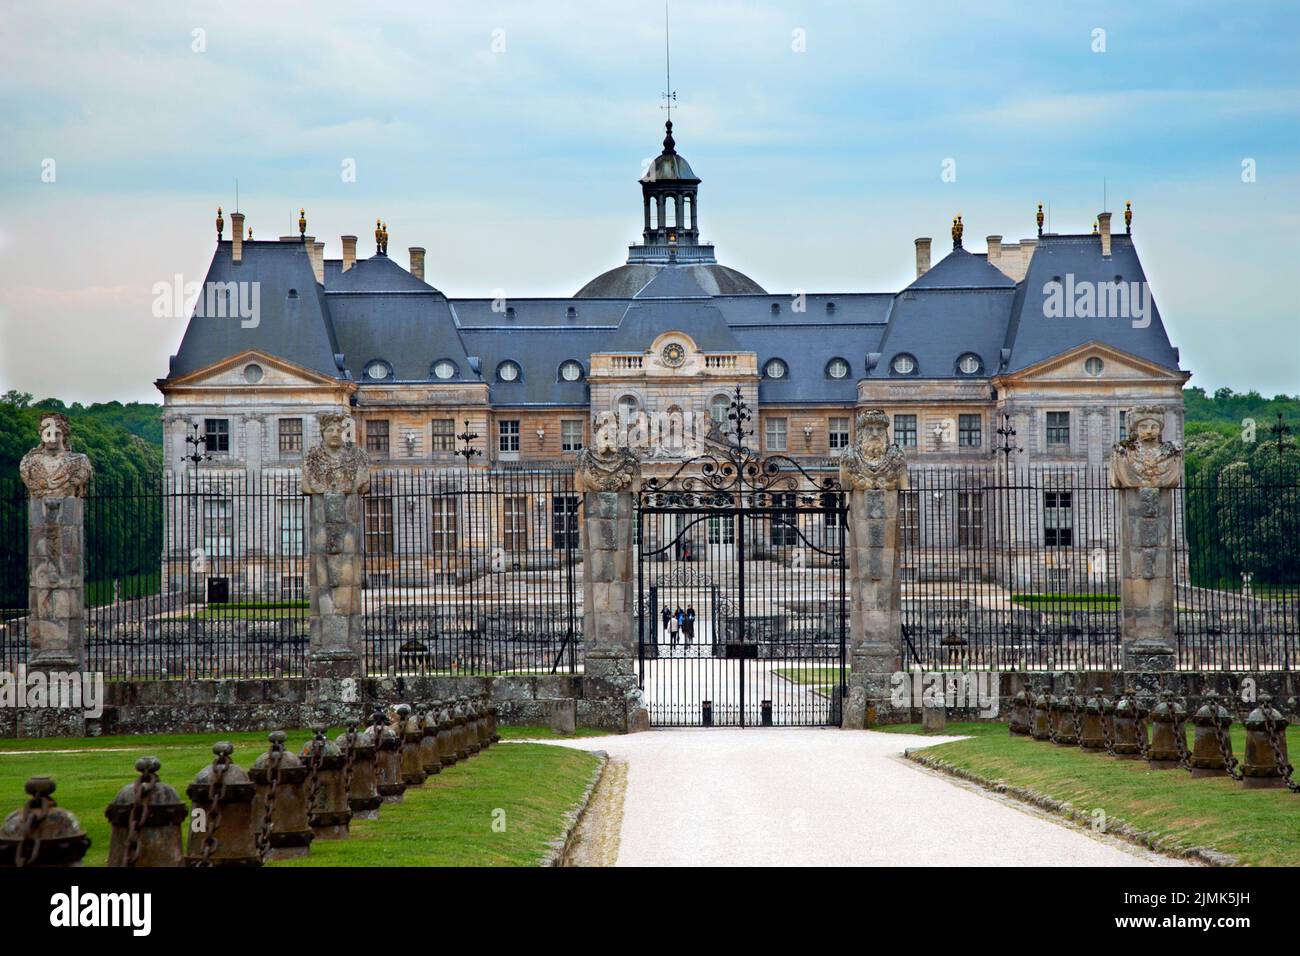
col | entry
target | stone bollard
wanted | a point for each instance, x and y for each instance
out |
(1130, 727)
(491, 709)
(1022, 714)
(411, 733)
(1041, 726)
(480, 724)
(146, 817)
(934, 717)
(1212, 744)
(222, 832)
(430, 759)
(446, 735)
(1164, 753)
(388, 759)
(328, 812)
(280, 803)
(1093, 733)
(1066, 724)
(40, 832)
(471, 727)
(461, 733)
(1266, 763)
(358, 751)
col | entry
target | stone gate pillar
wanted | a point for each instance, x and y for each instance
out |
(335, 475)
(1146, 469)
(608, 478)
(872, 473)
(56, 481)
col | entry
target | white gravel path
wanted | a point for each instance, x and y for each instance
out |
(814, 797)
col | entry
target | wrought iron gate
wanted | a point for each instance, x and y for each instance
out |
(742, 584)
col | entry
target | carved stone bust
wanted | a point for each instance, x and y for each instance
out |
(335, 465)
(50, 470)
(873, 462)
(605, 466)
(1144, 459)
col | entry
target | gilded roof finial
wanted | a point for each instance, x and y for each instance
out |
(302, 223)
(1128, 217)
(250, 233)
(1040, 220)
(1095, 228)
(379, 237)
(221, 224)
(385, 236)
(957, 229)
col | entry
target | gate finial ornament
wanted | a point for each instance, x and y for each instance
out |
(873, 462)
(605, 466)
(1144, 459)
(51, 470)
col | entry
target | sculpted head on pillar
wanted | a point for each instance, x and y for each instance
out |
(873, 462)
(1144, 459)
(336, 465)
(51, 470)
(605, 465)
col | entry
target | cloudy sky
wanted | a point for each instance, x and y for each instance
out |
(507, 138)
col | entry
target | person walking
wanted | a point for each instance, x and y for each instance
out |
(673, 625)
(689, 625)
(666, 616)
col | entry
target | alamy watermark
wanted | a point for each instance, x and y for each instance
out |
(179, 299)
(1070, 298)
(966, 690)
(56, 690)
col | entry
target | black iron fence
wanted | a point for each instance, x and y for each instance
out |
(13, 574)
(1009, 569)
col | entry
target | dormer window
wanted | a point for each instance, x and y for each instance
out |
(508, 372)
(903, 364)
(444, 369)
(571, 371)
(379, 370)
(837, 368)
(969, 364)
(775, 368)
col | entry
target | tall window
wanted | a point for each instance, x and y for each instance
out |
(217, 433)
(508, 436)
(905, 431)
(514, 526)
(444, 524)
(838, 434)
(379, 525)
(443, 434)
(785, 527)
(571, 434)
(564, 522)
(1058, 519)
(720, 408)
(291, 436)
(377, 436)
(774, 431)
(969, 431)
(970, 518)
(909, 517)
(1123, 424)
(721, 529)
(291, 526)
(218, 527)
(1058, 429)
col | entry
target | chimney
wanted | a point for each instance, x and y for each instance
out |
(995, 251)
(237, 237)
(316, 252)
(417, 262)
(1103, 228)
(922, 256)
(349, 252)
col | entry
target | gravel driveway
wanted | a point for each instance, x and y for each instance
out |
(814, 797)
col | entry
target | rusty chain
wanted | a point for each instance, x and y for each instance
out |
(1224, 741)
(216, 790)
(33, 816)
(1075, 719)
(1107, 730)
(268, 813)
(1180, 733)
(141, 792)
(1275, 743)
(313, 772)
(350, 741)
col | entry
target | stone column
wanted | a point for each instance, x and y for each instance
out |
(335, 475)
(56, 481)
(1145, 469)
(872, 473)
(608, 478)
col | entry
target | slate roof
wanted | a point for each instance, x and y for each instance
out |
(963, 270)
(645, 280)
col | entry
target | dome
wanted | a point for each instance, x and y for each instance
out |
(645, 280)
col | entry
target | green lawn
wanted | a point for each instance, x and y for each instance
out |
(821, 679)
(448, 822)
(1257, 827)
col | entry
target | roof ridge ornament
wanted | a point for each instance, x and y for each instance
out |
(1128, 217)
(1039, 217)
(302, 224)
(957, 230)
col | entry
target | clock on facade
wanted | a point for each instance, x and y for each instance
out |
(673, 354)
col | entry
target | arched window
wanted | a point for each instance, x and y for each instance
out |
(688, 212)
(720, 408)
(654, 214)
(627, 407)
(670, 212)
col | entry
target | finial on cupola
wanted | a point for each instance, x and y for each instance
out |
(1040, 220)
(302, 223)
(1128, 217)
(956, 231)
(221, 224)
(670, 144)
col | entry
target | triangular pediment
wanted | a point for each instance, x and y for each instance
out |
(234, 371)
(1073, 366)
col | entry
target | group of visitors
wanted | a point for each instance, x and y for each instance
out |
(678, 624)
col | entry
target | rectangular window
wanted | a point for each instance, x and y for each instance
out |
(721, 529)
(1058, 519)
(443, 435)
(508, 437)
(838, 434)
(1123, 425)
(970, 431)
(564, 522)
(379, 525)
(291, 436)
(571, 434)
(909, 517)
(774, 434)
(905, 431)
(216, 432)
(1058, 429)
(218, 527)
(292, 587)
(377, 436)
(785, 527)
(514, 526)
(970, 519)
(444, 524)
(291, 526)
